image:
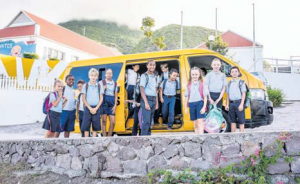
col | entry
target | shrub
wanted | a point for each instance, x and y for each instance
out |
(31, 55)
(276, 95)
(53, 59)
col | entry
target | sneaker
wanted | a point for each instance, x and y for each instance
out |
(169, 128)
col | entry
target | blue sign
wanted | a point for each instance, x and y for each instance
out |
(12, 48)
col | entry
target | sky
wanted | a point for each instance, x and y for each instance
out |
(277, 25)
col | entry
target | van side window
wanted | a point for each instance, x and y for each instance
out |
(204, 63)
(82, 73)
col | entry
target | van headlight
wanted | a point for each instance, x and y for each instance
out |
(257, 94)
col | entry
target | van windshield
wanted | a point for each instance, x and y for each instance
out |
(204, 63)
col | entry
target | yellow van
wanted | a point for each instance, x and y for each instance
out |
(259, 113)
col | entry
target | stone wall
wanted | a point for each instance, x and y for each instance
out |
(125, 157)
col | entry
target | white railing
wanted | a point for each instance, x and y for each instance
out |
(282, 65)
(13, 83)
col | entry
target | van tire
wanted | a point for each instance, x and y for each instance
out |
(226, 117)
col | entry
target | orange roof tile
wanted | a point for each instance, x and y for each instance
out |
(234, 40)
(17, 31)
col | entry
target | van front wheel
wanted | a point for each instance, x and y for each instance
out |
(226, 126)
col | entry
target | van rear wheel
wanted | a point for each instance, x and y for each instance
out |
(226, 126)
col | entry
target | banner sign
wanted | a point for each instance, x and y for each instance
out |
(17, 49)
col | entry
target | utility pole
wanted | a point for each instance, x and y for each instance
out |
(254, 45)
(84, 31)
(181, 31)
(216, 30)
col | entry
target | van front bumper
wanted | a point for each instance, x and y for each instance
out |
(261, 113)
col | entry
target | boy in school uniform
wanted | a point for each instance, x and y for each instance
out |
(110, 97)
(68, 114)
(236, 96)
(80, 107)
(92, 98)
(149, 102)
(216, 82)
(168, 89)
(132, 78)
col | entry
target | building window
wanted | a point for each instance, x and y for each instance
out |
(55, 54)
(75, 58)
(49, 53)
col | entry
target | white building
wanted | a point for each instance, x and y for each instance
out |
(29, 33)
(240, 50)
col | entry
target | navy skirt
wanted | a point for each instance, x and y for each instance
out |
(52, 122)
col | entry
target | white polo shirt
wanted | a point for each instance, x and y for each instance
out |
(131, 77)
(70, 95)
(81, 103)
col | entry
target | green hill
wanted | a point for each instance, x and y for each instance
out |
(128, 41)
(192, 37)
(108, 33)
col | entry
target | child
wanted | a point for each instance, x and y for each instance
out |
(79, 108)
(168, 89)
(216, 82)
(196, 100)
(149, 102)
(68, 115)
(52, 120)
(236, 95)
(109, 105)
(92, 98)
(157, 111)
(132, 78)
(136, 107)
(165, 71)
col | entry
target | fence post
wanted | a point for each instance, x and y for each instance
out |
(276, 65)
(292, 66)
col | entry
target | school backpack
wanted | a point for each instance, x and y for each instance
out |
(248, 93)
(214, 120)
(87, 87)
(200, 89)
(46, 105)
(115, 84)
(147, 79)
(165, 83)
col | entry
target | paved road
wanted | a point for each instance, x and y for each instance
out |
(286, 118)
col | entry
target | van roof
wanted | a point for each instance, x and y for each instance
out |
(147, 55)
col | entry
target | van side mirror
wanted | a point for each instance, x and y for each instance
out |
(118, 89)
(240, 75)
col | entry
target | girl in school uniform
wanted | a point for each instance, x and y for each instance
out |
(109, 104)
(196, 99)
(52, 120)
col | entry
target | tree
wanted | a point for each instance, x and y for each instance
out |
(147, 24)
(218, 45)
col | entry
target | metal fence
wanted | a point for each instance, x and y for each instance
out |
(13, 83)
(282, 65)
